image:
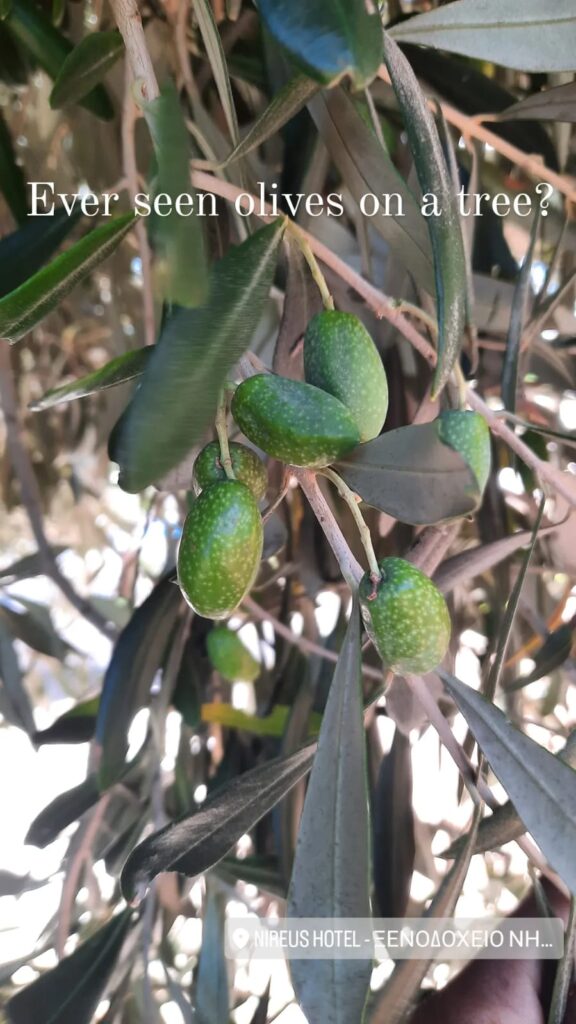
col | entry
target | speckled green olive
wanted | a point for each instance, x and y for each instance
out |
(468, 434)
(230, 657)
(406, 617)
(220, 549)
(294, 422)
(341, 358)
(248, 468)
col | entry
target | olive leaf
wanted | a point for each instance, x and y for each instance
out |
(24, 251)
(328, 40)
(188, 367)
(558, 104)
(25, 307)
(367, 169)
(410, 474)
(120, 370)
(71, 991)
(85, 66)
(180, 260)
(34, 30)
(196, 843)
(531, 36)
(12, 184)
(330, 876)
(540, 785)
(287, 102)
(445, 231)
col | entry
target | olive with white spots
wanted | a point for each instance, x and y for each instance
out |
(468, 434)
(220, 549)
(341, 358)
(230, 657)
(406, 616)
(247, 467)
(293, 421)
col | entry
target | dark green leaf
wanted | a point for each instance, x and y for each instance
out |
(62, 811)
(137, 657)
(39, 37)
(328, 40)
(330, 877)
(412, 476)
(263, 872)
(188, 366)
(12, 184)
(196, 843)
(34, 626)
(71, 991)
(286, 103)
(120, 370)
(210, 996)
(445, 230)
(26, 250)
(85, 66)
(518, 316)
(366, 168)
(15, 704)
(477, 560)
(530, 36)
(540, 785)
(74, 726)
(393, 816)
(557, 104)
(555, 650)
(180, 261)
(25, 307)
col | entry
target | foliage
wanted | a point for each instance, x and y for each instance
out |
(394, 391)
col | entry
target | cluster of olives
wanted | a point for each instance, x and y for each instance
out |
(342, 403)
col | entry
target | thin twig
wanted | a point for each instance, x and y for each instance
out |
(31, 497)
(129, 22)
(89, 830)
(302, 642)
(352, 502)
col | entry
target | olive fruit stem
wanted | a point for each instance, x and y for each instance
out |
(222, 431)
(352, 502)
(312, 262)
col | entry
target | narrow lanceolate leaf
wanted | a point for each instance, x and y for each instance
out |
(287, 102)
(393, 816)
(218, 62)
(558, 104)
(328, 40)
(555, 650)
(445, 231)
(196, 843)
(412, 476)
(15, 704)
(71, 991)
(62, 811)
(529, 36)
(120, 370)
(210, 994)
(45, 43)
(188, 366)
(24, 251)
(85, 67)
(367, 170)
(480, 559)
(25, 307)
(541, 786)
(12, 185)
(137, 657)
(330, 876)
(518, 316)
(180, 261)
